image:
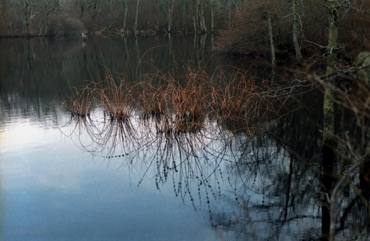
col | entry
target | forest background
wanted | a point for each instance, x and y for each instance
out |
(242, 26)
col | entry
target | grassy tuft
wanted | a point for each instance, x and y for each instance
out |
(115, 98)
(180, 104)
(81, 101)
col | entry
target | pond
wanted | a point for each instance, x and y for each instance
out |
(113, 172)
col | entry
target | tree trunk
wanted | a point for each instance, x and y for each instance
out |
(196, 17)
(332, 58)
(169, 15)
(184, 14)
(297, 47)
(365, 178)
(271, 37)
(125, 11)
(199, 20)
(328, 157)
(202, 23)
(212, 16)
(82, 11)
(229, 16)
(329, 143)
(333, 27)
(136, 17)
(27, 17)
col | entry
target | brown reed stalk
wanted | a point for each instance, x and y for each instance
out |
(115, 98)
(179, 104)
(242, 103)
(233, 100)
(176, 103)
(189, 100)
(81, 101)
(150, 98)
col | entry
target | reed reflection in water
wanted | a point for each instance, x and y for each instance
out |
(245, 149)
(210, 141)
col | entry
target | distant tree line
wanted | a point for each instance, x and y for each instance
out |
(62, 17)
(245, 26)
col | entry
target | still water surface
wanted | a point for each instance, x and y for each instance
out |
(53, 190)
(50, 188)
(199, 186)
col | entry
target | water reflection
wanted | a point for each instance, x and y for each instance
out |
(53, 190)
(49, 188)
(238, 172)
(252, 168)
(38, 71)
(256, 171)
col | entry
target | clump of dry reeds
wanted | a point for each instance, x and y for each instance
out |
(116, 99)
(232, 99)
(176, 105)
(243, 103)
(179, 104)
(81, 101)
(191, 100)
(151, 98)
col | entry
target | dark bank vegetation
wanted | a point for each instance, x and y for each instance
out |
(297, 28)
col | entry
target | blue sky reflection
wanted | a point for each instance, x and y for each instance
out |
(51, 190)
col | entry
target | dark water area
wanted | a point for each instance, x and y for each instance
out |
(65, 177)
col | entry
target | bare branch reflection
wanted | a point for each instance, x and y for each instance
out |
(238, 149)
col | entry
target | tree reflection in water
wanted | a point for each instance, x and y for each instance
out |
(255, 169)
